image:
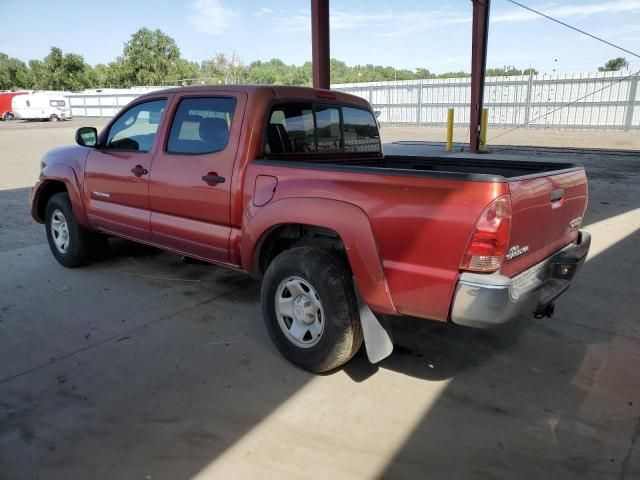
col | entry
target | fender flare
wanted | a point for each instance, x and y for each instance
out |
(346, 219)
(66, 175)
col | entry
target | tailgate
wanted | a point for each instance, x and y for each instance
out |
(547, 212)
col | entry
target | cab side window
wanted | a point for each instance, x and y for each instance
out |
(136, 128)
(201, 125)
(291, 129)
(299, 127)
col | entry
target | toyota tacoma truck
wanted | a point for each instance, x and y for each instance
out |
(291, 185)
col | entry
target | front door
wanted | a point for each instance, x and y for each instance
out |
(116, 188)
(190, 181)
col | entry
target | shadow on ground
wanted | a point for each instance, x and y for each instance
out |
(143, 367)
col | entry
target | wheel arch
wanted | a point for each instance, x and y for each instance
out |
(285, 236)
(48, 189)
(58, 179)
(340, 225)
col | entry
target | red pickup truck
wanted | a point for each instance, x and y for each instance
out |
(291, 185)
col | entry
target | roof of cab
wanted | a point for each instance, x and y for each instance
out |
(270, 92)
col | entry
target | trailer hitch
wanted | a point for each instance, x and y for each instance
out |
(544, 311)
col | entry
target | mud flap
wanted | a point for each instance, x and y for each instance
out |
(375, 330)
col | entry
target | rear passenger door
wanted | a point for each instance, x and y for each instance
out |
(190, 180)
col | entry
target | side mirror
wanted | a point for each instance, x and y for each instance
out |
(87, 136)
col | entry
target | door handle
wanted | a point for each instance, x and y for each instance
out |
(213, 178)
(139, 170)
(557, 194)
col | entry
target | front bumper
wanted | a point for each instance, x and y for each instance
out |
(486, 300)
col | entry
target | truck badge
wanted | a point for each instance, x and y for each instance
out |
(516, 251)
(576, 222)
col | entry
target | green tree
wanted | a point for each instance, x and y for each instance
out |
(224, 69)
(148, 58)
(459, 74)
(614, 65)
(423, 73)
(14, 74)
(275, 71)
(503, 72)
(509, 70)
(185, 72)
(58, 71)
(101, 73)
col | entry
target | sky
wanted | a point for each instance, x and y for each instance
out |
(432, 34)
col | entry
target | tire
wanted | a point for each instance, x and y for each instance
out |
(334, 335)
(53, 118)
(8, 116)
(81, 246)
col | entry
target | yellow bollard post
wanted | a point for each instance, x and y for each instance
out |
(483, 129)
(450, 130)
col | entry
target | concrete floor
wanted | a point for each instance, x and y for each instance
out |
(142, 367)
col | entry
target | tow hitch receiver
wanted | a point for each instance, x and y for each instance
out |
(565, 269)
(544, 311)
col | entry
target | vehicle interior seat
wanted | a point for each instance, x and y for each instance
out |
(278, 139)
(214, 132)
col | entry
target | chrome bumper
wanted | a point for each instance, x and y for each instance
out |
(486, 300)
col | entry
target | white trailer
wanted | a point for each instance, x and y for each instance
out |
(41, 106)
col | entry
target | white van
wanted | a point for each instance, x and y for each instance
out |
(41, 106)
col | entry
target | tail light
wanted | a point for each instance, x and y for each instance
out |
(488, 244)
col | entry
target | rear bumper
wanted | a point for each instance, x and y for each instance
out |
(486, 300)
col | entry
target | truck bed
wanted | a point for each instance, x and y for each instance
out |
(484, 169)
(548, 198)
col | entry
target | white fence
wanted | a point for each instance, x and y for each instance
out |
(599, 100)
(103, 103)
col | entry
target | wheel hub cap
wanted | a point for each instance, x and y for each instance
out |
(303, 309)
(299, 312)
(60, 231)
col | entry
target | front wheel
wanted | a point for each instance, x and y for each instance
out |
(53, 118)
(70, 243)
(310, 308)
(8, 116)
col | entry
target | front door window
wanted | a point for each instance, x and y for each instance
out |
(136, 128)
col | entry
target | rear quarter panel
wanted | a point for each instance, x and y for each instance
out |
(421, 225)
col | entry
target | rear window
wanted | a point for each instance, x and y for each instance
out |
(201, 125)
(300, 127)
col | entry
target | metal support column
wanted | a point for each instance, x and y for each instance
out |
(320, 43)
(480, 33)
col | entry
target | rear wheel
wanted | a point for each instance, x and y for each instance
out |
(8, 116)
(71, 244)
(53, 118)
(310, 308)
